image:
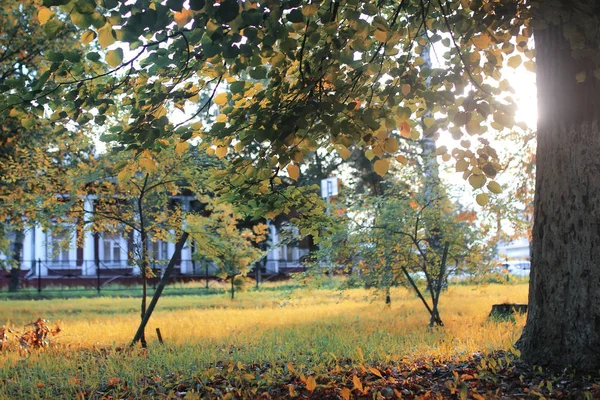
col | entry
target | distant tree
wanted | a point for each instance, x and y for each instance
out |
(32, 158)
(413, 238)
(233, 249)
(134, 198)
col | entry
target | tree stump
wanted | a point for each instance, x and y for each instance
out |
(507, 310)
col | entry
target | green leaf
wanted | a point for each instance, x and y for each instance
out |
(237, 87)
(175, 5)
(258, 73)
(197, 4)
(85, 6)
(114, 58)
(41, 80)
(93, 56)
(73, 56)
(54, 56)
(227, 11)
(295, 16)
(52, 28)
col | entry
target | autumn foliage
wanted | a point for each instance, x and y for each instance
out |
(37, 335)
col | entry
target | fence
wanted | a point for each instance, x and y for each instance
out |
(94, 274)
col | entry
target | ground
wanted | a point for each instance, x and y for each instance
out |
(305, 343)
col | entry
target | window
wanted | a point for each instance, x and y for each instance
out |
(159, 250)
(112, 248)
(59, 247)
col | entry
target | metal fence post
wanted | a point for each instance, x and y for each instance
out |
(98, 276)
(206, 274)
(39, 273)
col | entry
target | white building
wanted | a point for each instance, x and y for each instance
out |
(80, 252)
(515, 250)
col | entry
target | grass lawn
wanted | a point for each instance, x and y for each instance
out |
(306, 331)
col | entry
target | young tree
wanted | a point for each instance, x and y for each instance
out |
(134, 198)
(233, 250)
(334, 74)
(408, 238)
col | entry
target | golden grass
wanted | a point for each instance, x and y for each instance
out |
(307, 327)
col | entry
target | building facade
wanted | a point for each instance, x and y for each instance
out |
(68, 251)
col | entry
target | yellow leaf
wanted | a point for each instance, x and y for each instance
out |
(428, 121)
(344, 152)
(220, 99)
(221, 118)
(378, 150)
(125, 175)
(277, 60)
(415, 135)
(514, 61)
(580, 77)
(309, 10)
(88, 36)
(221, 151)
(473, 127)
(461, 166)
(210, 151)
(381, 166)
(148, 164)
(44, 15)
(106, 36)
(161, 111)
(530, 66)
(477, 181)
(405, 130)
(345, 393)
(481, 199)
(114, 57)
(181, 147)
(290, 367)
(391, 145)
(406, 89)
(182, 18)
(401, 159)
(503, 119)
(375, 371)
(482, 41)
(311, 384)
(369, 154)
(381, 35)
(494, 187)
(196, 126)
(357, 383)
(441, 150)
(293, 171)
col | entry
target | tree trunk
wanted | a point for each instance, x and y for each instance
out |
(563, 323)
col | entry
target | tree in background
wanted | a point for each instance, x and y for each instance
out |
(220, 239)
(415, 239)
(32, 159)
(134, 198)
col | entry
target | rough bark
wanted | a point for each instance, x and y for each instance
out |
(563, 323)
